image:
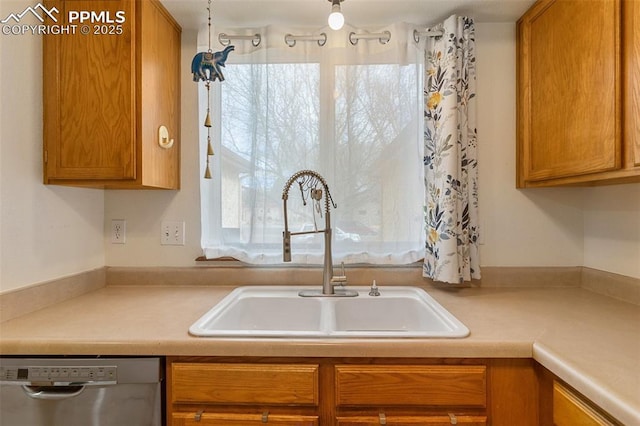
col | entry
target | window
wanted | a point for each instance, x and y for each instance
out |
(349, 113)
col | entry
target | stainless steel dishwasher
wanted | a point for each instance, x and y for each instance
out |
(80, 392)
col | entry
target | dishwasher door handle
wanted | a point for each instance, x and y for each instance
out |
(52, 393)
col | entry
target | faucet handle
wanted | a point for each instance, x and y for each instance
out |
(286, 246)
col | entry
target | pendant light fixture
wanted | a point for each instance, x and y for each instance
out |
(336, 18)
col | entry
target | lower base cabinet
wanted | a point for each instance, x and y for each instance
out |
(222, 391)
(212, 391)
(570, 408)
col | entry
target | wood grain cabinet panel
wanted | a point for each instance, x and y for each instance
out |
(631, 89)
(570, 409)
(350, 391)
(411, 385)
(441, 420)
(223, 419)
(574, 60)
(107, 92)
(225, 384)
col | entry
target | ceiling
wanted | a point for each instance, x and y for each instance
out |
(192, 14)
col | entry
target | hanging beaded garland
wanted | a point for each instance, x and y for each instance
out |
(206, 66)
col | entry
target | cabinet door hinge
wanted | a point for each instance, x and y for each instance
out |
(46, 157)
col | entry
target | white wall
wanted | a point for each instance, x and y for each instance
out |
(534, 227)
(612, 229)
(145, 210)
(46, 232)
(597, 227)
(521, 228)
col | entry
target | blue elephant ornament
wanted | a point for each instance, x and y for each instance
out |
(206, 66)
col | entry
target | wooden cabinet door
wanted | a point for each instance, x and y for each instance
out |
(89, 97)
(229, 384)
(570, 409)
(230, 419)
(399, 420)
(107, 90)
(410, 385)
(569, 91)
(160, 96)
(631, 64)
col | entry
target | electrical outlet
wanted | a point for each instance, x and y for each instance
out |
(172, 233)
(118, 231)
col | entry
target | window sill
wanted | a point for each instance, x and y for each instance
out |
(232, 261)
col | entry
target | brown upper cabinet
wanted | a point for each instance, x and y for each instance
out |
(111, 87)
(578, 93)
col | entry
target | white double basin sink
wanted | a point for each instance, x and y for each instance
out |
(278, 311)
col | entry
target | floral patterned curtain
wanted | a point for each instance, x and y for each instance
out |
(450, 155)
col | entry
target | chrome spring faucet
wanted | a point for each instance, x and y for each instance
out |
(308, 181)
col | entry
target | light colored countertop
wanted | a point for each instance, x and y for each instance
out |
(589, 340)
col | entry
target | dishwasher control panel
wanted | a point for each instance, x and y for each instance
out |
(85, 375)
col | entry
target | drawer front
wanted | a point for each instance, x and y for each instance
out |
(273, 384)
(412, 420)
(230, 419)
(570, 409)
(408, 385)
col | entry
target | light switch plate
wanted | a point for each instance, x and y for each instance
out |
(172, 233)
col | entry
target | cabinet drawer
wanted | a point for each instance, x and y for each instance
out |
(276, 384)
(570, 409)
(412, 420)
(230, 419)
(394, 385)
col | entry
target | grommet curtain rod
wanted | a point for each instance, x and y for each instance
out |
(225, 39)
(382, 37)
(426, 33)
(291, 39)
